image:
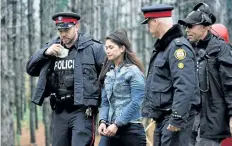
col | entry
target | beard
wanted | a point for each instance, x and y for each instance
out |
(69, 41)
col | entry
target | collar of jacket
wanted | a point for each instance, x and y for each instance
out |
(204, 43)
(174, 32)
(83, 41)
(210, 44)
(119, 67)
(214, 45)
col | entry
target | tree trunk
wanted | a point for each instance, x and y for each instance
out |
(103, 18)
(131, 21)
(91, 16)
(45, 34)
(112, 17)
(47, 121)
(36, 118)
(11, 68)
(7, 126)
(22, 59)
(98, 34)
(229, 18)
(32, 122)
(23, 55)
(32, 81)
(73, 5)
(17, 80)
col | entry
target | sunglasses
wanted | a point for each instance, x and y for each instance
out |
(190, 25)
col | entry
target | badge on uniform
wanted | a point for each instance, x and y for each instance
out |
(180, 65)
(180, 54)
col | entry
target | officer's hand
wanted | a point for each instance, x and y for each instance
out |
(54, 50)
(111, 130)
(173, 128)
(102, 128)
(231, 125)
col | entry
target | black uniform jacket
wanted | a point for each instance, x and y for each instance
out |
(172, 83)
(215, 76)
(88, 62)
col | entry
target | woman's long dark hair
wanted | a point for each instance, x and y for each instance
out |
(120, 38)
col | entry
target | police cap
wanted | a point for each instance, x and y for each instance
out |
(156, 11)
(65, 19)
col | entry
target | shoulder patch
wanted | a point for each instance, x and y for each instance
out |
(178, 42)
(180, 54)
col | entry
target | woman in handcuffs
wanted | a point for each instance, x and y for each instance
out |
(123, 84)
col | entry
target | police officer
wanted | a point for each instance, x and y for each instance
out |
(68, 69)
(171, 85)
(214, 58)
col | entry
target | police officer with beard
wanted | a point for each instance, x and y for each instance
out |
(171, 93)
(214, 59)
(68, 69)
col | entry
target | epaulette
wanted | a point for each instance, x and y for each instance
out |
(178, 42)
(97, 41)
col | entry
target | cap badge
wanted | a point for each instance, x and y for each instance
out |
(60, 18)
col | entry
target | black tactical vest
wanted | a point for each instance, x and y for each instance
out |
(61, 77)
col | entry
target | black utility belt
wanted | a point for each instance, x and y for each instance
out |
(66, 97)
(59, 103)
(62, 97)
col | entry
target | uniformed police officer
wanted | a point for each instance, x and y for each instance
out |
(68, 69)
(172, 84)
(214, 57)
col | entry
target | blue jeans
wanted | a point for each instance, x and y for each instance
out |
(164, 137)
(72, 129)
(129, 135)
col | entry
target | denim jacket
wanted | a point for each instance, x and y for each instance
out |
(122, 95)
